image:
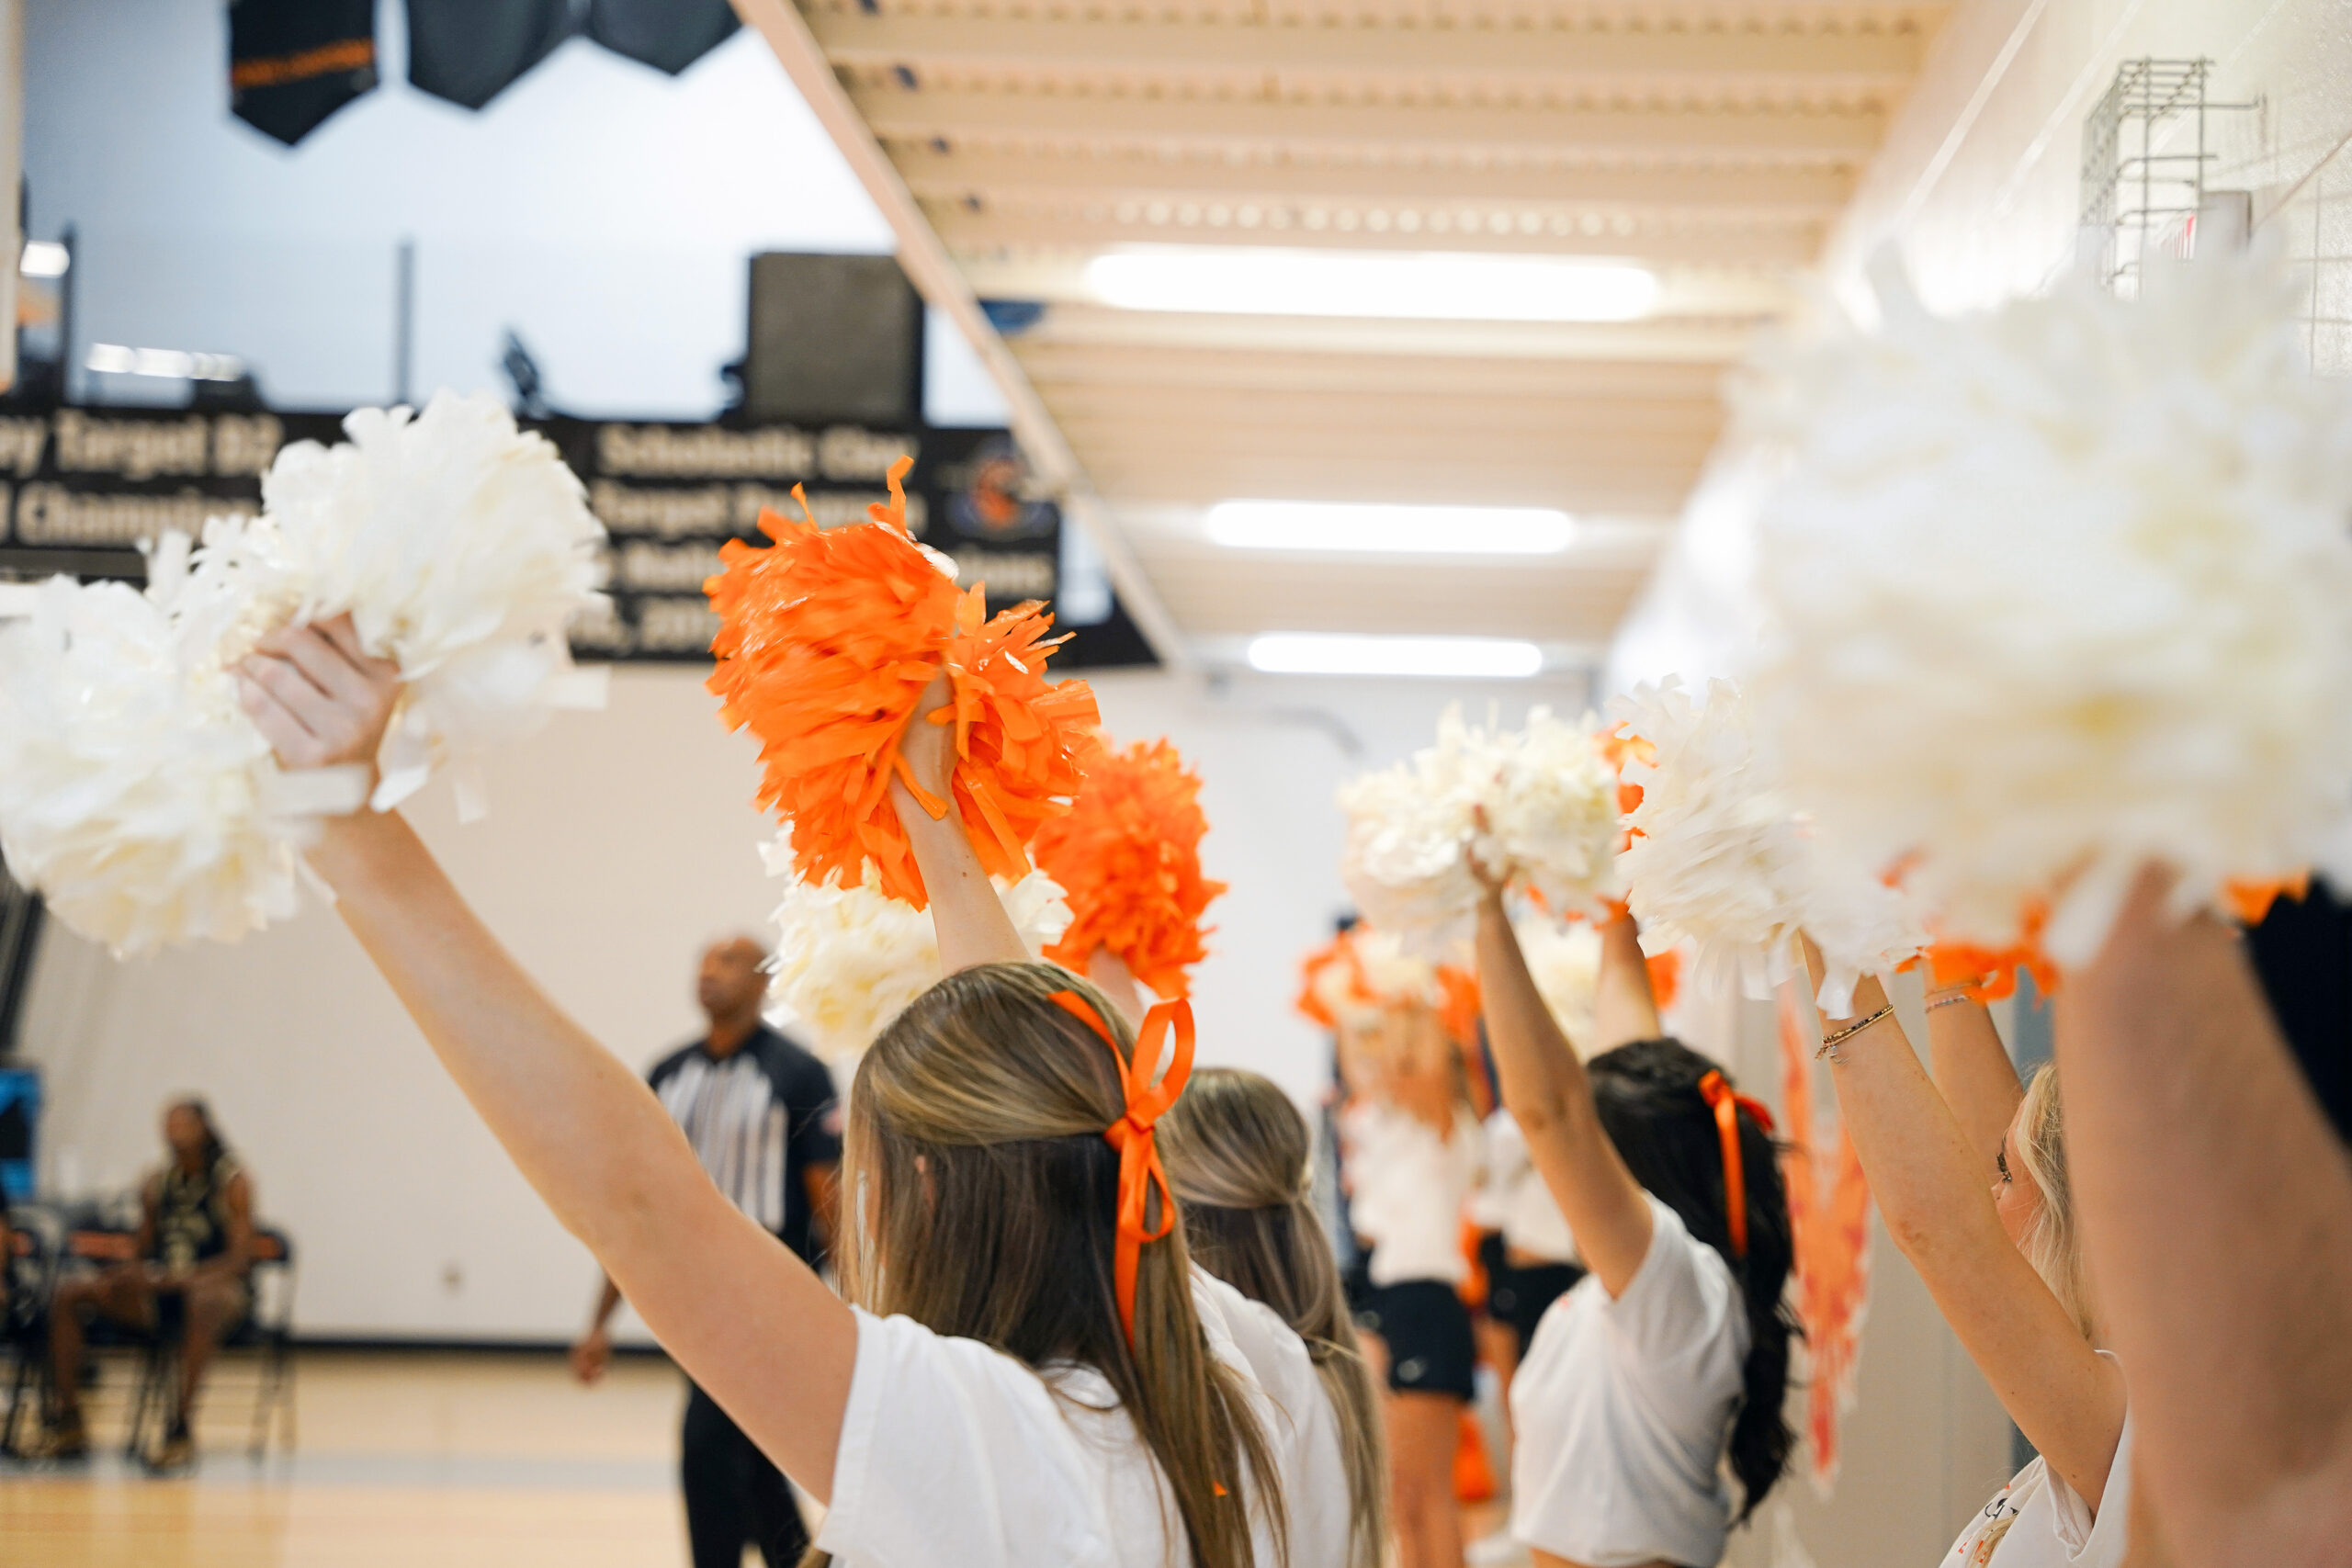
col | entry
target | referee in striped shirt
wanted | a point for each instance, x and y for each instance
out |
(762, 1116)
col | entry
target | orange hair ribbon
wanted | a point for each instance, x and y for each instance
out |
(1726, 1106)
(1132, 1134)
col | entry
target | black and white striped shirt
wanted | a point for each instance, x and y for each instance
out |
(758, 1119)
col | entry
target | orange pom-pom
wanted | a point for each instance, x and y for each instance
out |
(1023, 746)
(1362, 970)
(1128, 858)
(825, 644)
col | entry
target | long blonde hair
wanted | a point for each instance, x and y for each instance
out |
(1237, 1151)
(985, 1203)
(2052, 1243)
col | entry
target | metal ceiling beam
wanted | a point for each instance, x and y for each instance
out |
(1854, 61)
(1848, 136)
(989, 227)
(933, 274)
(1819, 193)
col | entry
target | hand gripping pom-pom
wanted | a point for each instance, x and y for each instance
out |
(1547, 796)
(463, 548)
(142, 802)
(2059, 590)
(848, 960)
(1128, 858)
(826, 642)
(1719, 859)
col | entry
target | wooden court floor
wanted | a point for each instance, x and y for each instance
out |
(408, 1460)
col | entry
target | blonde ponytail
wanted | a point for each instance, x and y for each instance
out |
(1237, 1151)
(985, 1199)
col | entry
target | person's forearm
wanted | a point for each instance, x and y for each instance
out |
(1115, 980)
(1625, 1008)
(582, 1129)
(1933, 1196)
(1973, 1074)
(1546, 1092)
(2218, 1207)
(1922, 1173)
(608, 1301)
(965, 909)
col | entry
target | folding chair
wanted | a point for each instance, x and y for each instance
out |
(267, 1330)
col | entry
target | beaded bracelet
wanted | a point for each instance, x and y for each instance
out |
(1831, 1042)
(1950, 998)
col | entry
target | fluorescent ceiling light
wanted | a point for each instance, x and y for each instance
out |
(169, 364)
(44, 258)
(1348, 653)
(1429, 530)
(1428, 286)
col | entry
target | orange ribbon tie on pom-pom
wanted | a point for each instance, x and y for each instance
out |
(1726, 1106)
(1134, 1135)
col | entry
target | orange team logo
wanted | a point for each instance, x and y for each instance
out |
(1829, 1211)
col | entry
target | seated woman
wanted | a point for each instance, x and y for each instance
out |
(195, 1246)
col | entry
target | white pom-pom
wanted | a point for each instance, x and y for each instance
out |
(2063, 589)
(1552, 815)
(848, 960)
(1409, 831)
(1720, 859)
(1563, 957)
(135, 793)
(463, 547)
(1550, 802)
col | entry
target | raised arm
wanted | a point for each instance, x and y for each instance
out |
(1933, 1190)
(746, 1318)
(965, 909)
(2218, 1204)
(1973, 1073)
(1624, 1008)
(1115, 980)
(1545, 1089)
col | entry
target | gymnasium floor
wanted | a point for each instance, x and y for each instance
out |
(403, 1460)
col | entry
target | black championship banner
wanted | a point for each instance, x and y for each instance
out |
(81, 488)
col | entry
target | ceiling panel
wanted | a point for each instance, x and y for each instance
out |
(1712, 142)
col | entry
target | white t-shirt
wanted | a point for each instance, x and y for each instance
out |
(1304, 1431)
(1406, 1189)
(1623, 1408)
(954, 1455)
(1514, 1200)
(2039, 1521)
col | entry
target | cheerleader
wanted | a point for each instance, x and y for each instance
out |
(1411, 1154)
(1671, 1357)
(1026, 1378)
(1969, 1172)
(1237, 1155)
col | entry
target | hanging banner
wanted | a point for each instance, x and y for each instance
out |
(1829, 1211)
(81, 488)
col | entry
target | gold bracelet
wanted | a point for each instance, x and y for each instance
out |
(1831, 1042)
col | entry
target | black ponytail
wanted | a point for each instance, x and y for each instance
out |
(1648, 1094)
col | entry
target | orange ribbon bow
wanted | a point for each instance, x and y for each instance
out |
(1726, 1106)
(1132, 1134)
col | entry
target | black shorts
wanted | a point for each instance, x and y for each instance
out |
(1427, 1330)
(1529, 1294)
